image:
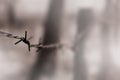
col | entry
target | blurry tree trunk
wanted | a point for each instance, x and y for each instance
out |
(3, 13)
(46, 58)
(11, 15)
(116, 26)
(84, 22)
(109, 26)
(116, 19)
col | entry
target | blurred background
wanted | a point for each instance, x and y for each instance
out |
(89, 31)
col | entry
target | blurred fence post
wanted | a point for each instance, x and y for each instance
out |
(46, 58)
(85, 18)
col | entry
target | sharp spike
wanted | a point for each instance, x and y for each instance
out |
(25, 34)
(18, 41)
